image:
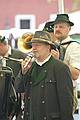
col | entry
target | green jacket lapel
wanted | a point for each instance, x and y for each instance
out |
(38, 76)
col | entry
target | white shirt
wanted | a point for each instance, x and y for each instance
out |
(41, 63)
(72, 55)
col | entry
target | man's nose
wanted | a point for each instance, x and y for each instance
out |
(33, 47)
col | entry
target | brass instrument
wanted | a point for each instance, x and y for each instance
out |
(22, 43)
(26, 48)
(13, 59)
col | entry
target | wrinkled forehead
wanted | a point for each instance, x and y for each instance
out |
(61, 23)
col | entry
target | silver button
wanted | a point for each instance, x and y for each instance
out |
(29, 98)
(45, 71)
(30, 82)
(45, 118)
(43, 101)
(42, 86)
(50, 81)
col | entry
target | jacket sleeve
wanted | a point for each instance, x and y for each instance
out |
(19, 83)
(65, 92)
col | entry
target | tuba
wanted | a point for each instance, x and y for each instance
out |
(22, 43)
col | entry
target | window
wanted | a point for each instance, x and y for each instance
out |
(25, 21)
(25, 24)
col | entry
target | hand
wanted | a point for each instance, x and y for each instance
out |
(55, 53)
(26, 64)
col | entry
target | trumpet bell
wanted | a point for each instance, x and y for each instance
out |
(22, 43)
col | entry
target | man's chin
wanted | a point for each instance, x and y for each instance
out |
(58, 36)
(36, 55)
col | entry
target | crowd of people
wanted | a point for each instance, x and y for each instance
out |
(46, 80)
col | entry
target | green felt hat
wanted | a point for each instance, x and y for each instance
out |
(63, 18)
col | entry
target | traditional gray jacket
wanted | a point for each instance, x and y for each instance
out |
(49, 92)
